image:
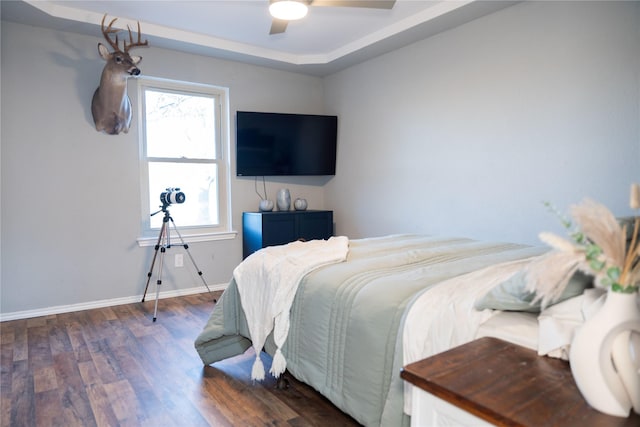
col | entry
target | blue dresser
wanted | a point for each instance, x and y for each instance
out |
(262, 229)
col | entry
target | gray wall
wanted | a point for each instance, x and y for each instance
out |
(463, 133)
(70, 195)
(467, 132)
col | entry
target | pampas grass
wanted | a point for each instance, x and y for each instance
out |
(549, 274)
(635, 197)
(598, 249)
(601, 228)
(631, 267)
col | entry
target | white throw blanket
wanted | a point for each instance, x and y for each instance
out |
(267, 282)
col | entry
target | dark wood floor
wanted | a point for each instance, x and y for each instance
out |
(115, 367)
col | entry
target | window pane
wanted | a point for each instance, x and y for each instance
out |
(180, 125)
(198, 182)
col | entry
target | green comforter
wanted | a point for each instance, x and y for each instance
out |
(346, 319)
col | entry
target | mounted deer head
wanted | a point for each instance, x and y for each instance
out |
(110, 106)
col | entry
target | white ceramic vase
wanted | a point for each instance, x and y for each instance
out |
(604, 356)
(283, 199)
(300, 204)
(266, 205)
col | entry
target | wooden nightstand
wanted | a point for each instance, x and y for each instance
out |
(493, 382)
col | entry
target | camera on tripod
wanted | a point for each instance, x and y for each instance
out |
(172, 195)
(169, 196)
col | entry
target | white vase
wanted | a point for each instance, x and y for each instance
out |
(300, 204)
(283, 199)
(605, 337)
(266, 205)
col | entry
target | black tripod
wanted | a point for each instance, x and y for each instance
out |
(164, 243)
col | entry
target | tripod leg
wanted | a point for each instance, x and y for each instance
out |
(186, 248)
(158, 283)
(153, 261)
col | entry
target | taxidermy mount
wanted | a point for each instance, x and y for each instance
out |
(110, 106)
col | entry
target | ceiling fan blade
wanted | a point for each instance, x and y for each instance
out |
(371, 4)
(278, 26)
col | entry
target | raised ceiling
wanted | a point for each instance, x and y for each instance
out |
(327, 40)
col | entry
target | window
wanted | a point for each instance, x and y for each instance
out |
(184, 144)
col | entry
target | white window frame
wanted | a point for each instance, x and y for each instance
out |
(222, 231)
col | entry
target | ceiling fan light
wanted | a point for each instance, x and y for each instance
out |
(288, 10)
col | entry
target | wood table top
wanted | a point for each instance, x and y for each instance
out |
(509, 385)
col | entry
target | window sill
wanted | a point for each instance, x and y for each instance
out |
(188, 238)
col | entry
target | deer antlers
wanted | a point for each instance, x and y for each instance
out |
(106, 32)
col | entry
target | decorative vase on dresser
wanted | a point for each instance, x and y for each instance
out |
(266, 205)
(601, 356)
(300, 204)
(283, 199)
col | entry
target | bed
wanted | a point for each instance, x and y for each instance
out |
(395, 299)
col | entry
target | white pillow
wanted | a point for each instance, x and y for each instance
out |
(557, 324)
(512, 326)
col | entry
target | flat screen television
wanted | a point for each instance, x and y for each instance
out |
(278, 144)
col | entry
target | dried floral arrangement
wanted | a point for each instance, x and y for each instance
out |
(597, 247)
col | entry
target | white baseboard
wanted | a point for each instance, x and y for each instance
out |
(151, 296)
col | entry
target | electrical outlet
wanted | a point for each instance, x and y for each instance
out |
(179, 260)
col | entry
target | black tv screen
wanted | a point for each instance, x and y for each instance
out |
(277, 144)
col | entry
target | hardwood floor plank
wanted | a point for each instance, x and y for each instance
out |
(5, 411)
(114, 366)
(76, 338)
(59, 341)
(48, 408)
(39, 348)
(102, 355)
(20, 341)
(101, 406)
(35, 322)
(89, 373)
(22, 400)
(6, 365)
(76, 407)
(44, 379)
(6, 374)
(209, 409)
(229, 398)
(7, 334)
(124, 402)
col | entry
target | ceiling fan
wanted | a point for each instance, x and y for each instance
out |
(284, 11)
